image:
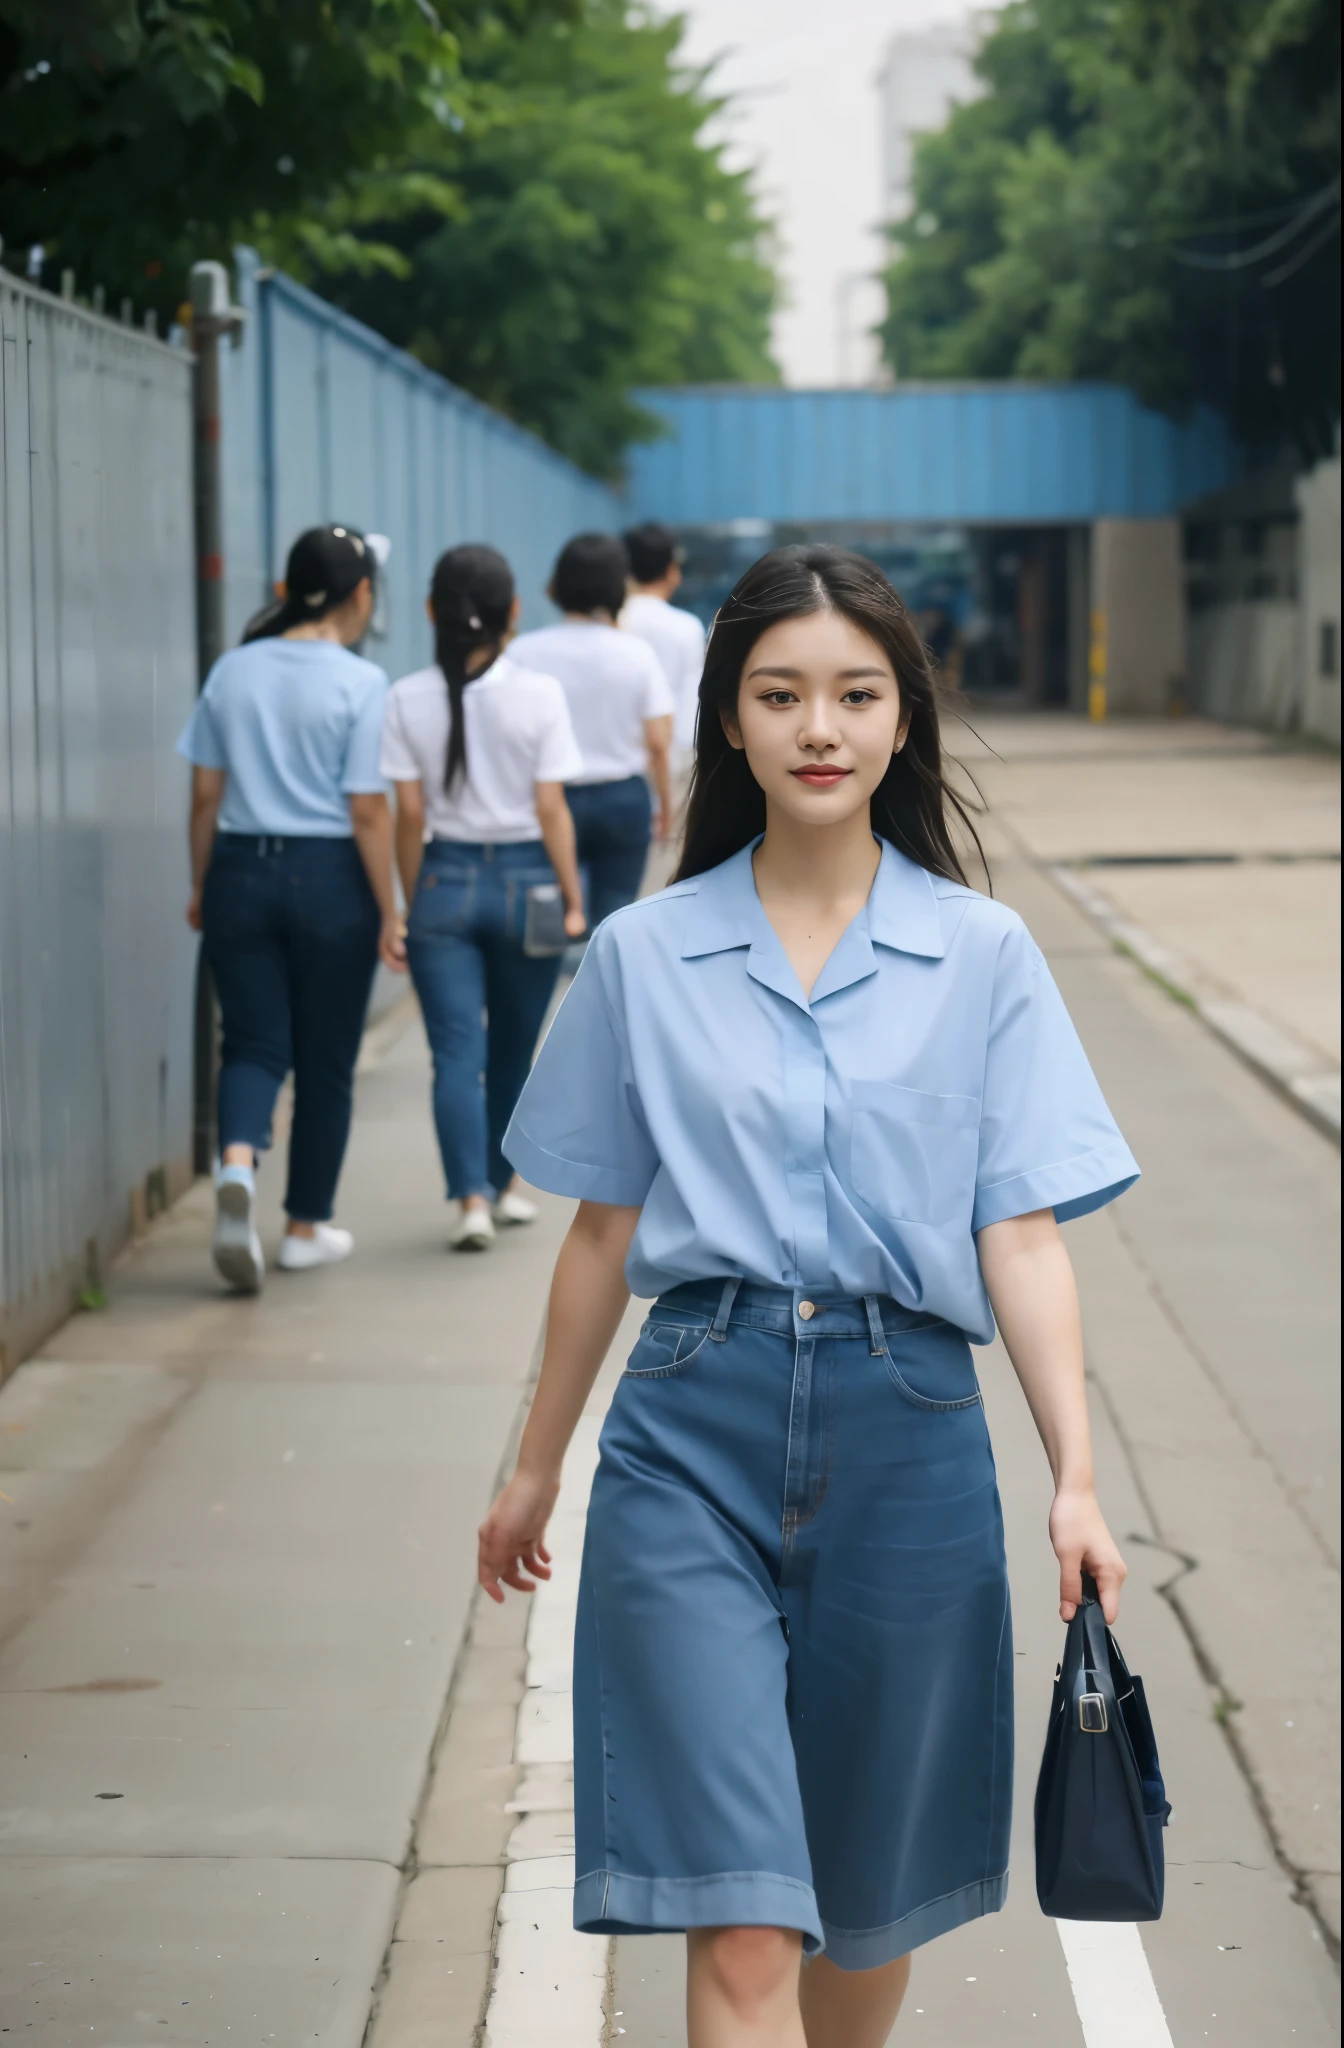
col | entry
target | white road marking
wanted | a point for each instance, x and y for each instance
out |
(1113, 1987)
(550, 1983)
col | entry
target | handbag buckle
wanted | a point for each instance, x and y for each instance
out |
(1092, 1713)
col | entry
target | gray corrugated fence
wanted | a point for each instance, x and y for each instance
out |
(97, 675)
(324, 420)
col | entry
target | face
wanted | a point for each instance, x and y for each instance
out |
(819, 717)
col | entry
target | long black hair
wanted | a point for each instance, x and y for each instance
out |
(726, 807)
(471, 597)
(326, 565)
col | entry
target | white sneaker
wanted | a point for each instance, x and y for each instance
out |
(236, 1247)
(473, 1231)
(515, 1208)
(326, 1247)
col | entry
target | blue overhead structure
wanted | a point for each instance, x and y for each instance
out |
(978, 454)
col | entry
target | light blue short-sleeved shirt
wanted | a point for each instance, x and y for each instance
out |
(933, 1084)
(298, 725)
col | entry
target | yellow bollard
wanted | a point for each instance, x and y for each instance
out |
(1096, 669)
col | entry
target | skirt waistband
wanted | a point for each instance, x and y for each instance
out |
(794, 1311)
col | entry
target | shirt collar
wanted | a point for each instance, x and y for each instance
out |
(726, 912)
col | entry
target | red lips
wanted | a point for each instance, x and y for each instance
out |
(820, 778)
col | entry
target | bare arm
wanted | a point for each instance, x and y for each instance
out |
(410, 837)
(371, 823)
(1035, 1302)
(557, 836)
(207, 794)
(658, 740)
(588, 1299)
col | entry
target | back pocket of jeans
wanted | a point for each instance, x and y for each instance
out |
(912, 1156)
(443, 904)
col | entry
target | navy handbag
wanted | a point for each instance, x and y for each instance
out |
(1100, 1802)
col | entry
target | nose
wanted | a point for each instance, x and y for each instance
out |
(817, 733)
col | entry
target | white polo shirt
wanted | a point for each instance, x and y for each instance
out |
(613, 683)
(678, 640)
(518, 734)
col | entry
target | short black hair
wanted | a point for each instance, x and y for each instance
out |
(590, 573)
(652, 550)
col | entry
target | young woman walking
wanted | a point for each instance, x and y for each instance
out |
(291, 887)
(480, 749)
(823, 1101)
(622, 709)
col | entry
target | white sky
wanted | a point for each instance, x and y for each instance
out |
(808, 119)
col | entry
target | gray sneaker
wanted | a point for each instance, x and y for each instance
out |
(237, 1248)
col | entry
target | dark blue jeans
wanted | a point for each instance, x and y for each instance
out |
(291, 936)
(483, 999)
(613, 824)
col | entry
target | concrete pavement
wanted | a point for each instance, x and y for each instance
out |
(266, 1767)
(237, 1539)
(1211, 854)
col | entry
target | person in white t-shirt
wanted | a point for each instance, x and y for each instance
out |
(480, 747)
(622, 710)
(676, 636)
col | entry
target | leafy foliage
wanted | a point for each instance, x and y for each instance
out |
(517, 190)
(137, 136)
(1148, 192)
(597, 242)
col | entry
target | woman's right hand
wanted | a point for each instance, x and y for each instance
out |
(576, 924)
(392, 944)
(194, 918)
(510, 1537)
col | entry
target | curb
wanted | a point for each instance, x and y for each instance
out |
(1294, 1069)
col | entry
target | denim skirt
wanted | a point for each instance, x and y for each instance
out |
(793, 1666)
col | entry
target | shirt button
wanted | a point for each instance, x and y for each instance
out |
(807, 1309)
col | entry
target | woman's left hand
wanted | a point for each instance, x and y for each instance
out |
(576, 924)
(1083, 1543)
(392, 945)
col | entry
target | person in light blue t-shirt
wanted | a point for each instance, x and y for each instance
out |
(823, 1100)
(291, 856)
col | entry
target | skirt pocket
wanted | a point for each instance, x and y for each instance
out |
(663, 1350)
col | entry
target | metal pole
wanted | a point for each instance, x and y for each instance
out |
(212, 317)
(210, 306)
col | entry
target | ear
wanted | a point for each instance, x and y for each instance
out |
(429, 609)
(902, 732)
(515, 612)
(732, 731)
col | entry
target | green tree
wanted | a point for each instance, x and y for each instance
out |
(1148, 192)
(137, 136)
(598, 242)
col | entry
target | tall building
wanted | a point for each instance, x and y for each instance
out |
(925, 73)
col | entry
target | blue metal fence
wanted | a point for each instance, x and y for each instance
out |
(324, 420)
(97, 676)
(1018, 454)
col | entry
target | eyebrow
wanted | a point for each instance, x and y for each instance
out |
(793, 675)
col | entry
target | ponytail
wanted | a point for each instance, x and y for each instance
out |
(471, 597)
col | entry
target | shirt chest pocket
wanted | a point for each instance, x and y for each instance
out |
(912, 1156)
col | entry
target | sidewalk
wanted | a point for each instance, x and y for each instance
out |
(1210, 853)
(237, 1541)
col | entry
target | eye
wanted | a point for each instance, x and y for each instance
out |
(780, 696)
(859, 695)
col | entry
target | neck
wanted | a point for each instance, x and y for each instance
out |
(482, 658)
(320, 629)
(818, 864)
(598, 618)
(663, 589)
